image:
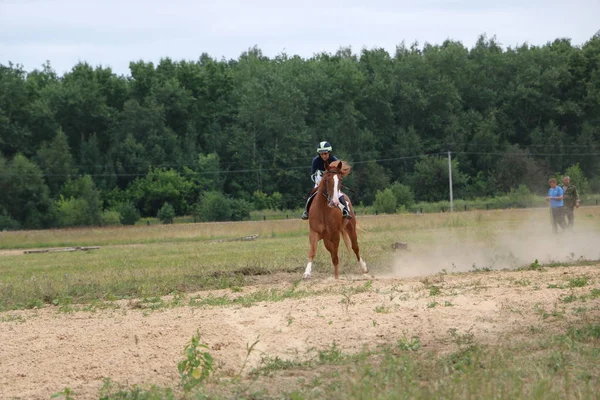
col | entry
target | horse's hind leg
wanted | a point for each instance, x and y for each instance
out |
(314, 239)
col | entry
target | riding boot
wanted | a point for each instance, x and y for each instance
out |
(345, 211)
(305, 213)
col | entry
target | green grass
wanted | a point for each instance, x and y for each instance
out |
(148, 261)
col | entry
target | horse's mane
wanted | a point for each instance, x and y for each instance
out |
(345, 166)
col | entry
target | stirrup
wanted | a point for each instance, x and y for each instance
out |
(305, 215)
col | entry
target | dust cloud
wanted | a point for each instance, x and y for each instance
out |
(478, 248)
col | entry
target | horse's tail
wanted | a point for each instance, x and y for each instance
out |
(347, 240)
(359, 228)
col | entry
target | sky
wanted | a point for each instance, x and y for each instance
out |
(113, 33)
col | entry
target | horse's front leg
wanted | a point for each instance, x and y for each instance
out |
(314, 239)
(332, 246)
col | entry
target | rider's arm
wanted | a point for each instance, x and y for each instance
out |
(315, 165)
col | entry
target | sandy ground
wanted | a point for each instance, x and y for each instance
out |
(43, 351)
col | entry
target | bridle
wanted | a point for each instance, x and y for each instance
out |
(324, 192)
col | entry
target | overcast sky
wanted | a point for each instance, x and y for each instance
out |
(114, 32)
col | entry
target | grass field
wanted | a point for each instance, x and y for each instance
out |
(540, 340)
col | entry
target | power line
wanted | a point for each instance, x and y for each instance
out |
(303, 167)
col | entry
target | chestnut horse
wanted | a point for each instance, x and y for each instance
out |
(326, 222)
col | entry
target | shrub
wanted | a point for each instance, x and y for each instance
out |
(111, 217)
(72, 212)
(240, 209)
(385, 201)
(166, 214)
(129, 214)
(7, 223)
(404, 194)
(214, 206)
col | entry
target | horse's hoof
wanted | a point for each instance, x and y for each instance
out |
(306, 276)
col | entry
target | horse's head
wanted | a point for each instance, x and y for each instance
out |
(331, 182)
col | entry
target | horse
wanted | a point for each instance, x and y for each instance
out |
(326, 222)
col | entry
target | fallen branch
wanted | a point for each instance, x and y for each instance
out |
(64, 249)
(243, 239)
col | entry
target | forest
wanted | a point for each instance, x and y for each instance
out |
(219, 138)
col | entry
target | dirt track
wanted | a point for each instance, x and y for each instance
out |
(44, 351)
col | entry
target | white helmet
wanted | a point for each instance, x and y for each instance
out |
(324, 147)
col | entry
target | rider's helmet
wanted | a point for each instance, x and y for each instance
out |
(324, 147)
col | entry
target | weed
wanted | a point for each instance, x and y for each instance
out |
(406, 344)
(331, 356)
(269, 365)
(568, 299)
(535, 266)
(462, 340)
(433, 304)
(249, 350)
(475, 268)
(12, 318)
(290, 319)
(346, 301)
(555, 286)
(66, 393)
(382, 309)
(579, 281)
(197, 365)
(434, 290)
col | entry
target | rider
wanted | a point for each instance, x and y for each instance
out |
(319, 165)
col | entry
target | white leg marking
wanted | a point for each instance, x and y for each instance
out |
(363, 266)
(308, 270)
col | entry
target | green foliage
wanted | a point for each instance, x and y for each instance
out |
(111, 218)
(197, 365)
(79, 203)
(56, 161)
(214, 206)
(129, 214)
(244, 128)
(260, 200)
(72, 212)
(240, 209)
(8, 223)
(166, 214)
(430, 179)
(404, 194)
(24, 195)
(277, 201)
(385, 201)
(520, 197)
(160, 186)
(578, 179)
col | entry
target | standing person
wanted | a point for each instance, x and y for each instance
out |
(319, 165)
(555, 197)
(571, 201)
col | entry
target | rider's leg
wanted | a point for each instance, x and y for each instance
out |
(307, 206)
(345, 210)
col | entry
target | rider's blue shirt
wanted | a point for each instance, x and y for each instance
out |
(319, 164)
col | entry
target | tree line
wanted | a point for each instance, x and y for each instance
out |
(218, 138)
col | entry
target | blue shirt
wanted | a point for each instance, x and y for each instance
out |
(556, 192)
(319, 164)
